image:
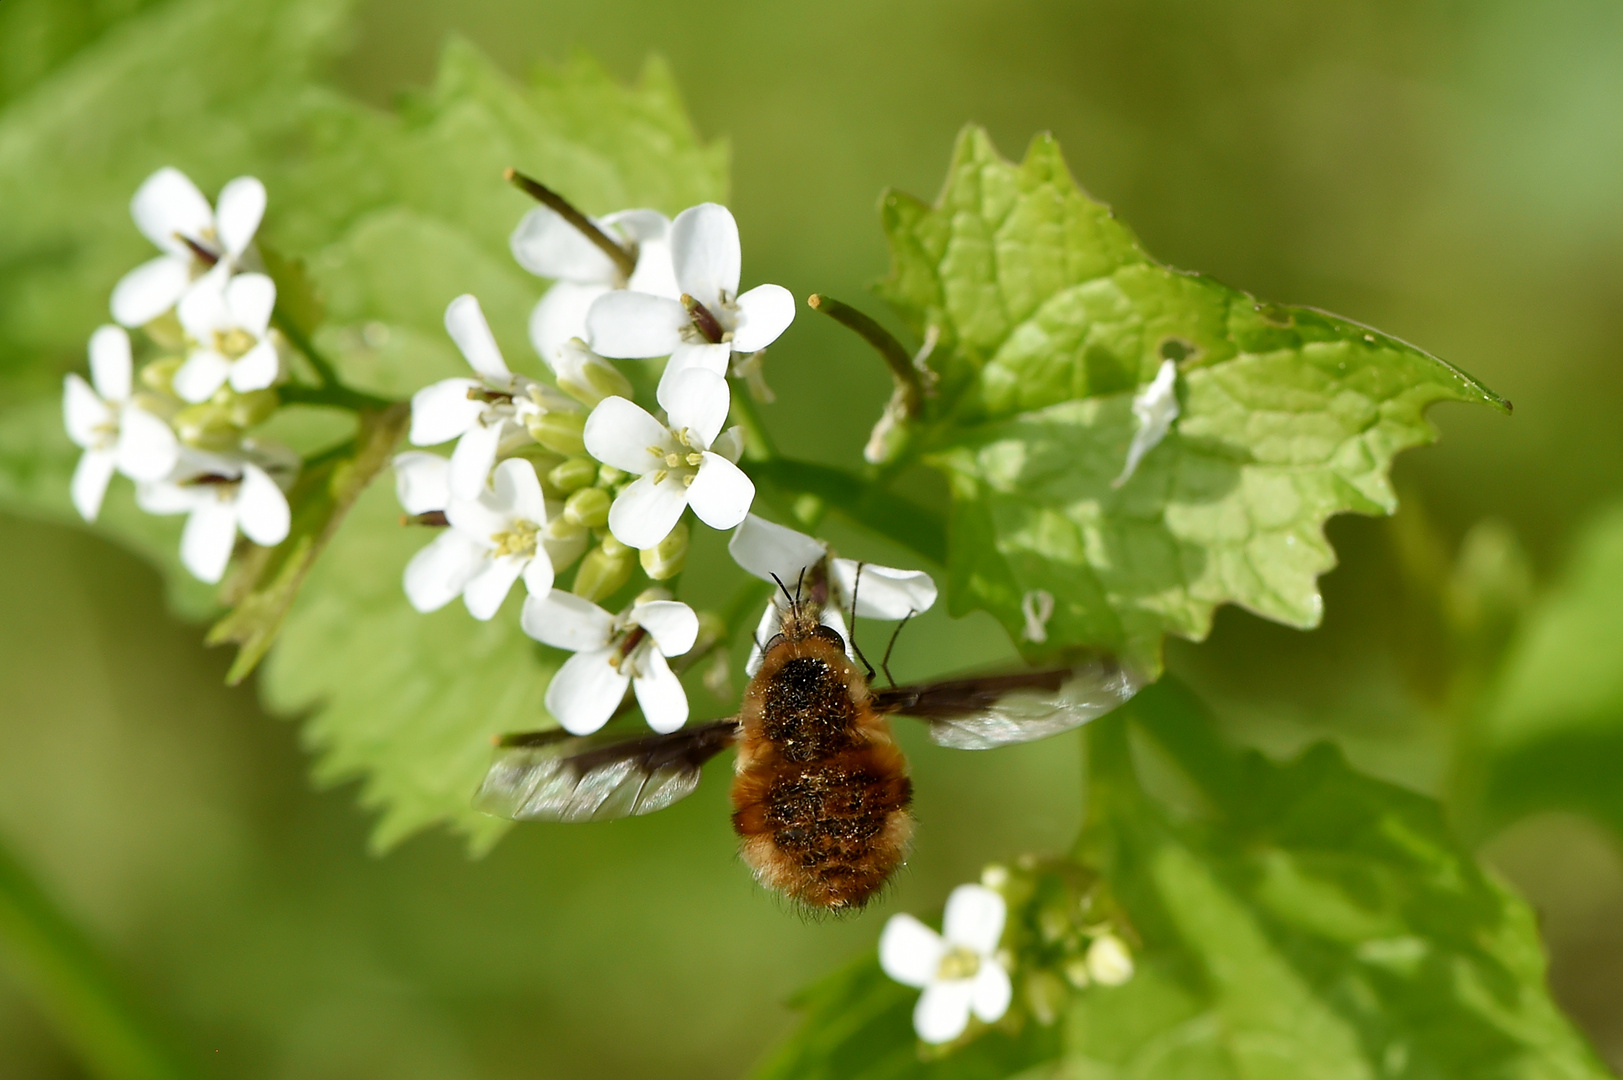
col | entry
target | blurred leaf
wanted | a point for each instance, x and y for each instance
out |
(1050, 316)
(268, 579)
(93, 1013)
(1552, 732)
(39, 36)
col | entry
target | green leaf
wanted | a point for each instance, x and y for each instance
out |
(1552, 731)
(268, 579)
(1050, 316)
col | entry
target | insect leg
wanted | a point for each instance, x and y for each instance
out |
(884, 665)
(856, 584)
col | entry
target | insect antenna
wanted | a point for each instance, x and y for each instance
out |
(793, 598)
(855, 585)
(884, 665)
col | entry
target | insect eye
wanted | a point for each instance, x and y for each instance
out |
(830, 635)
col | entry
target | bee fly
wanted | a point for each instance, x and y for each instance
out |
(821, 793)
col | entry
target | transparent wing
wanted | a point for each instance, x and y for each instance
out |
(555, 776)
(996, 710)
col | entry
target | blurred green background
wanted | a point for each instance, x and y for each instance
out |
(1450, 172)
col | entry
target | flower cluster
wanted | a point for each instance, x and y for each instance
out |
(573, 474)
(180, 426)
(1047, 922)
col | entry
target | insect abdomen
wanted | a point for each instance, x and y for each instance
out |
(822, 792)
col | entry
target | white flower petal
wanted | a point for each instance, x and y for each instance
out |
(730, 444)
(422, 481)
(241, 208)
(697, 400)
(623, 434)
(465, 322)
(206, 542)
(991, 992)
(689, 355)
(203, 309)
(974, 918)
(764, 548)
(110, 365)
(479, 518)
(720, 494)
(640, 227)
(943, 1010)
(151, 289)
(538, 573)
(632, 325)
(909, 951)
(251, 298)
(1155, 407)
(586, 691)
(884, 592)
(443, 411)
(705, 253)
(147, 448)
(654, 273)
(517, 491)
(90, 479)
(165, 498)
(560, 317)
(671, 623)
(204, 372)
(548, 246)
(439, 572)
(490, 586)
(771, 622)
(257, 368)
(475, 453)
(262, 509)
(167, 203)
(659, 692)
(83, 412)
(764, 313)
(566, 621)
(645, 512)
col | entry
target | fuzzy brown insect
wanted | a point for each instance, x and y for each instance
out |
(821, 795)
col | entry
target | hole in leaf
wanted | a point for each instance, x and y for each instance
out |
(1179, 349)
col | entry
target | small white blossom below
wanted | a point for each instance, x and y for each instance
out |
(169, 210)
(765, 549)
(1037, 607)
(548, 246)
(1109, 962)
(220, 496)
(494, 418)
(1155, 407)
(116, 433)
(707, 260)
(613, 652)
(690, 462)
(493, 540)
(228, 323)
(957, 969)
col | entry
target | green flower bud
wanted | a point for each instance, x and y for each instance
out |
(587, 377)
(1109, 962)
(589, 507)
(603, 572)
(1076, 972)
(160, 374)
(565, 542)
(574, 474)
(666, 558)
(207, 427)
(560, 431)
(1045, 996)
(253, 408)
(614, 547)
(608, 476)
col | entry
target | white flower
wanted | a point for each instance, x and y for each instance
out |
(957, 969)
(228, 322)
(712, 321)
(170, 210)
(116, 433)
(222, 495)
(422, 482)
(690, 462)
(493, 540)
(548, 246)
(1155, 407)
(612, 651)
(765, 550)
(481, 414)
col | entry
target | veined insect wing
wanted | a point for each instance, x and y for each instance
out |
(555, 776)
(997, 710)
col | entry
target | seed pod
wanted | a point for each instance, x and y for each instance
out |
(667, 558)
(589, 507)
(560, 431)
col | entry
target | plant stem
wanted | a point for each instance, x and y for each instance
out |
(623, 259)
(335, 394)
(897, 358)
(301, 341)
(75, 988)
